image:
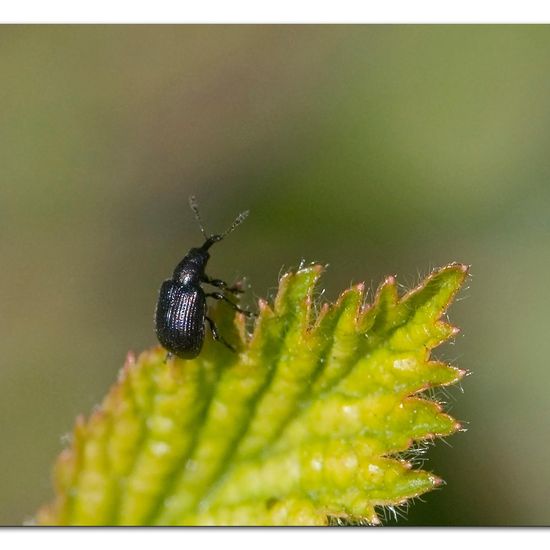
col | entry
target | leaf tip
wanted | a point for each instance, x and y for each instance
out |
(130, 359)
(263, 306)
(436, 481)
(458, 427)
(129, 363)
(460, 272)
(375, 520)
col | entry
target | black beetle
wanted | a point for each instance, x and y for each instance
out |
(181, 308)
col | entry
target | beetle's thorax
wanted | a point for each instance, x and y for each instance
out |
(190, 271)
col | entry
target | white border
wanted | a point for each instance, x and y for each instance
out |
(361, 538)
(275, 11)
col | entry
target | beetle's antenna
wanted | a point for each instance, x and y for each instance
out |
(211, 239)
(238, 220)
(195, 207)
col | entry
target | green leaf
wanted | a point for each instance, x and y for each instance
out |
(306, 424)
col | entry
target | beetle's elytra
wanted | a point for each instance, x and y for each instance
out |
(181, 311)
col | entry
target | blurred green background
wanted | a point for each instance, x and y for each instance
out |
(376, 149)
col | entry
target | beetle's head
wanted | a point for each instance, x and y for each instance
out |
(198, 256)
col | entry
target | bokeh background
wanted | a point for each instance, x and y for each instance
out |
(376, 149)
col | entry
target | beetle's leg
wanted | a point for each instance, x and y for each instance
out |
(217, 337)
(220, 296)
(168, 357)
(235, 289)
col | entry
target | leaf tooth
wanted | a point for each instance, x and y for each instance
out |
(294, 287)
(368, 478)
(240, 325)
(395, 423)
(398, 374)
(419, 309)
(379, 316)
(129, 364)
(139, 379)
(417, 376)
(343, 341)
(442, 331)
(347, 305)
(401, 483)
(438, 373)
(416, 419)
(433, 295)
(261, 325)
(420, 332)
(321, 319)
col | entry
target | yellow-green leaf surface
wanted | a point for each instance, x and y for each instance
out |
(307, 423)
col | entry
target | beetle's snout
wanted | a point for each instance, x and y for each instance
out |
(211, 240)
